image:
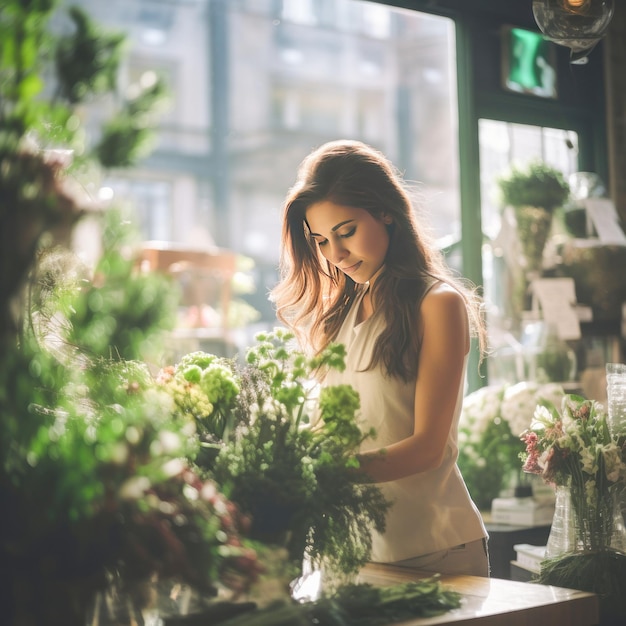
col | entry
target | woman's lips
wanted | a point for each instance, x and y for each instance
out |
(351, 268)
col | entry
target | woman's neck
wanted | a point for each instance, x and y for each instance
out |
(366, 308)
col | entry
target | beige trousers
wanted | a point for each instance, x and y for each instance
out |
(471, 559)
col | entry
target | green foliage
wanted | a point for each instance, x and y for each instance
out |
(94, 489)
(88, 60)
(25, 45)
(537, 185)
(129, 136)
(285, 456)
(204, 388)
(120, 312)
(359, 604)
(83, 66)
(603, 573)
(499, 459)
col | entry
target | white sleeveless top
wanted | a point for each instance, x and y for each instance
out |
(431, 510)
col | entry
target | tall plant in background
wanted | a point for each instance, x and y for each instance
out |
(93, 493)
(530, 195)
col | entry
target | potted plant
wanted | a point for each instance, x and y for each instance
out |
(533, 193)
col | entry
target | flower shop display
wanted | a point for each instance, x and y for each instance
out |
(112, 512)
(572, 448)
(492, 419)
(284, 451)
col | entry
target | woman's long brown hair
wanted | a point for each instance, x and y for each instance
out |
(313, 297)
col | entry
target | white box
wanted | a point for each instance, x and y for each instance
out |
(522, 511)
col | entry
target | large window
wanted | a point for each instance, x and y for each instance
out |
(256, 85)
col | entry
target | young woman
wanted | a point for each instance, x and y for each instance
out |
(357, 270)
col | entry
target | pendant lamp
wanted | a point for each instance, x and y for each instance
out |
(576, 24)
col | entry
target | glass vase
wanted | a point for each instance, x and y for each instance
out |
(582, 527)
(616, 398)
(586, 550)
(616, 414)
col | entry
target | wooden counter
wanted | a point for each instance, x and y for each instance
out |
(498, 602)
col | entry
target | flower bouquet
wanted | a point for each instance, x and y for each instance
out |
(282, 450)
(573, 449)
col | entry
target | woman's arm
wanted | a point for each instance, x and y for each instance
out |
(445, 342)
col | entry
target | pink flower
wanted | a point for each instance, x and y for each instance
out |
(531, 465)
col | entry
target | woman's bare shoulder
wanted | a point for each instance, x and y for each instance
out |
(442, 294)
(444, 313)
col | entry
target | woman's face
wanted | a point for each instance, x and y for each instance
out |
(353, 240)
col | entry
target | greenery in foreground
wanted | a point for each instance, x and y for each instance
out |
(359, 605)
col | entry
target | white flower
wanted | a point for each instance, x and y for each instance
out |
(613, 466)
(170, 442)
(541, 416)
(480, 408)
(134, 488)
(520, 400)
(173, 467)
(119, 453)
(588, 461)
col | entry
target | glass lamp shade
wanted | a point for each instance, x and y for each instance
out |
(576, 24)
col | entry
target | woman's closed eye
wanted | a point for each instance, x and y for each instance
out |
(346, 235)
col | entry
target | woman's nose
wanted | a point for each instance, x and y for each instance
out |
(337, 253)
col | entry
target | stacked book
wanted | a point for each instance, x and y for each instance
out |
(529, 557)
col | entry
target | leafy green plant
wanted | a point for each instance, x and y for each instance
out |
(87, 60)
(537, 185)
(93, 483)
(359, 604)
(94, 488)
(286, 456)
(129, 136)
